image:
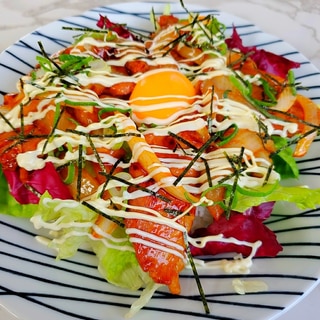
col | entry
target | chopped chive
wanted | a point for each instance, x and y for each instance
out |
(245, 89)
(197, 21)
(262, 192)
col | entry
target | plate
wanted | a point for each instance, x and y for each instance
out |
(34, 285)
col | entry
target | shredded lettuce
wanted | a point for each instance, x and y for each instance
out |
(68, 221)
(146, 295)
(70, 224)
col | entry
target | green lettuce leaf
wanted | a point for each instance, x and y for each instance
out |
(120, 266)
(301, 196)
(283, 161)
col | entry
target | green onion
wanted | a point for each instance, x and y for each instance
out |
(260, 192)
(245, 89)
(71, 173)
(291, 82)
(225, 139)
(95, 104)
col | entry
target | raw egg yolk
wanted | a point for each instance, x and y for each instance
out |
(161, 95)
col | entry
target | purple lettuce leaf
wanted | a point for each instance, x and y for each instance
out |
(265, 60)
(246, 226)
(46, 179)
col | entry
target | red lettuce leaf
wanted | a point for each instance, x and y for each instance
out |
(265, 60)
(262, 211)
(244, 227)
(119, 29)
(46, 179)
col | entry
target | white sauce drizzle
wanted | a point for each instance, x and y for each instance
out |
(155, 242)
(232, 111)
(249, 286)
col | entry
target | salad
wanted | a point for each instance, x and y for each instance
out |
(156, 150)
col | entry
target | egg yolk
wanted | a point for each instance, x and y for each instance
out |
(160, 95)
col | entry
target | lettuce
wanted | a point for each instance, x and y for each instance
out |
(145, 297)
(246, 227)
(45, 179)
(8, 205)
(301, 196)
(265, 60)
(284, 161)
(70, 224)
(120, 267)
(245, 223)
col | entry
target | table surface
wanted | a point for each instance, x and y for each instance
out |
(295, 21)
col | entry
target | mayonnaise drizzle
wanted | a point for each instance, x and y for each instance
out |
(154, 241)
(192, 117)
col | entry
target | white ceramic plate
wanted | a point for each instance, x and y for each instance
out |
(35, 286)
